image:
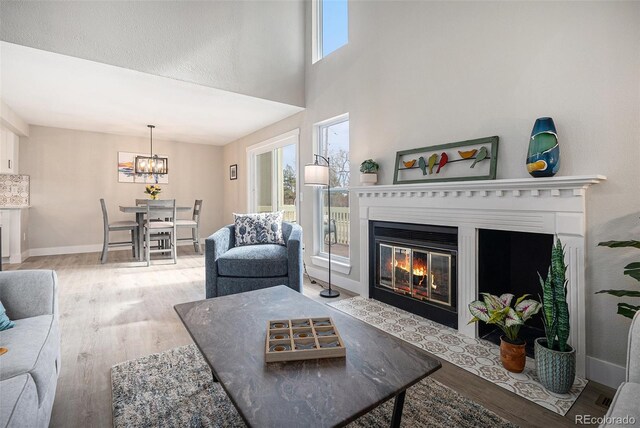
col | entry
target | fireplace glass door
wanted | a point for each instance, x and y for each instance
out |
(421, 274)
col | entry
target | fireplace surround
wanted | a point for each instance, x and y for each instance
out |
(555, 206)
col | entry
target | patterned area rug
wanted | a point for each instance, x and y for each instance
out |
(175, 389)
(479, 357)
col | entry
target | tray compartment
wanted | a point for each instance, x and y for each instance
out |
(302, 322)
(325, 331)
(279, 334)
(322, 322)
(329, 342)
(302, 333)
(279, 324)
(279, 345)
(305, 344)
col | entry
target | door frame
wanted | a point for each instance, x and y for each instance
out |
(288, 138)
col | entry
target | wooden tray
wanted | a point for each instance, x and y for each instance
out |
(303, 339)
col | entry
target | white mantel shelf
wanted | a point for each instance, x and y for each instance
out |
(554, 206)
(480, 187)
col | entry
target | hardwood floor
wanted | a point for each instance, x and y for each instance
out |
(123, 310)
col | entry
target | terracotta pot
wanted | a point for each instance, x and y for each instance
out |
(513, 357)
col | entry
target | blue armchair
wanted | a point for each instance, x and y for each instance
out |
(230, 269)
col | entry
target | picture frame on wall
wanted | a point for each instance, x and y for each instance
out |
(233, 172)
(460, 161)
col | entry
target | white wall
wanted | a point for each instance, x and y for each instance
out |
(423, 73)
(251, 47)
(10, 120)
(71, 170)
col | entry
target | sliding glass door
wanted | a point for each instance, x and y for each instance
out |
(274, 176)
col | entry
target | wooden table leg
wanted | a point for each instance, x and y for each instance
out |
(397, 410)
(140, 220)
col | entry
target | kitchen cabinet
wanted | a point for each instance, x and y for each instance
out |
(8, 152)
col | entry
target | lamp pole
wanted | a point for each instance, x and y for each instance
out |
(328, 292)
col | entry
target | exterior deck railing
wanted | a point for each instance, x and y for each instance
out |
(339, 215)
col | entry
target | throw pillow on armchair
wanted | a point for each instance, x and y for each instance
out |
(258, 228)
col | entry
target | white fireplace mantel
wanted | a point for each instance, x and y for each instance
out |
(544, 205)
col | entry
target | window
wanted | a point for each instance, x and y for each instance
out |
(331, 23)
(273, 176)
(333, 143)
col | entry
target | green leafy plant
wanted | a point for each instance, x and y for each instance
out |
(498, 310)
(369, 167)
(633, 270)
(555, 310)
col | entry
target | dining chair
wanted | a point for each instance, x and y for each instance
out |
(140, 202)
(118, 226)
(194, 224)
(164, 230)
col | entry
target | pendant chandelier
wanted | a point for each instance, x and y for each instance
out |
(151, 164)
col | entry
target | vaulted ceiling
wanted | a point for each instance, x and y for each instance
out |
(207, 72)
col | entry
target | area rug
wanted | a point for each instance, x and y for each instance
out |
(477, 356)
(175, 389)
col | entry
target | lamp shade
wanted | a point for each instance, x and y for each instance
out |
(151, 165)
(316, 175)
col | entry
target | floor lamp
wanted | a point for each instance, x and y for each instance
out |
(318, 175)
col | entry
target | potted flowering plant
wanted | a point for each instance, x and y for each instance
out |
(153, 190)
(498, 310)
(369, 172)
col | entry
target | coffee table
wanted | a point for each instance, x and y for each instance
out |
(230, 333)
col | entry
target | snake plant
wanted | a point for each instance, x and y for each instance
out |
(498, 310)
(633, 270)
(555, 310)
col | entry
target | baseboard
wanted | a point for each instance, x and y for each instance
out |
(71, 249)
(605, 372)
(78, 249)
(340, 281)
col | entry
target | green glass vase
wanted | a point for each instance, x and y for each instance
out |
(543, 157)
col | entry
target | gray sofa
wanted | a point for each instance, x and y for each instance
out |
(29, 370)
(230, 269)
(626, 402)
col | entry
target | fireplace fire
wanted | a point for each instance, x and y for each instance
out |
(414, 269)
(420, 274)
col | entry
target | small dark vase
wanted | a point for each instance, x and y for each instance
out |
(512, 355)
(543, 157)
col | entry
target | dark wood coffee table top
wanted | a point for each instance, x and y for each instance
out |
(230, 333)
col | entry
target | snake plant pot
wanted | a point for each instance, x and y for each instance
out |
(512, 355)
(556, 370)
(368, 179)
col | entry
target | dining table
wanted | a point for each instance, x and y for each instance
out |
(140, 211)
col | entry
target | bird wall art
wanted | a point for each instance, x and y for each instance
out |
(435, 162)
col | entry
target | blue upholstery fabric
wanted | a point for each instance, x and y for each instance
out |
(249, 272)
(29, 371)
(254, 261)
(5, 322)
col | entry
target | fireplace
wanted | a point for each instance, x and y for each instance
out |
(547, 206)
(414, 268)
